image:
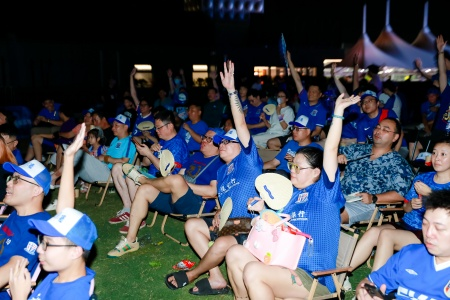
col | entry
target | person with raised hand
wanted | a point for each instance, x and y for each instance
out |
(64, 245)
(314, 209)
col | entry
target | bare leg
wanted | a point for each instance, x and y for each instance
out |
(237, 257)
(390, 240)
(132, 189)
(145, 194)
(412, 155)
(30, 153)
(36, 141)
(270, 282)
(366, 244)
(59, 157)
(120, 184)
(274, 144)
(344, 217)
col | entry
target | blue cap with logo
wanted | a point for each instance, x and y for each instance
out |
(32, 169)
(231, 135)
(303, 122)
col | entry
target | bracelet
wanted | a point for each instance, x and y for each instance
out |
(106, 159)
(232, 93)
(339, 117)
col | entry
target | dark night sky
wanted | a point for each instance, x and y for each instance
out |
(308, 23)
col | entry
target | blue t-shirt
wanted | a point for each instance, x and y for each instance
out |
(122, 148)
(180, 153)
(197, 162)
(50, 290)
(252, 118)
(291, 148)
(425, 109)
(16, 238)
(366, 125)
(140, 119)
(443, 115)
(414, 218)
(315, 211)
(389, 172)
(412, 272)
(316, 113)
(54, 115)
(350, 127)
(18, 156)
(200, 128)
(237, 180)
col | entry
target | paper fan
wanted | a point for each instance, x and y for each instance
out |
(166, 162)
(225, 212)
(145, 126)
(274, 189)
(269, 109)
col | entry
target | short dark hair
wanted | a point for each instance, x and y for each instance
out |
(439, 199)
(165, 116)
(313, 155)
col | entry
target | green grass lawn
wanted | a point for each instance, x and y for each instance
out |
(140, 275)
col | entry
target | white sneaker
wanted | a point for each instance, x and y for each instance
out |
(347, 286)
(52, 206)
(123, 247)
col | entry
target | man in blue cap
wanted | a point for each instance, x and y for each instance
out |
(64, 245)
(25, 191)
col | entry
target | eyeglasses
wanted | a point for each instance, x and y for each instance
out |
(16, 178)
(45, 244)
(10, 142)
(384, 130)
(368, 101)
(226, 142)
(297, 128)
(207, 138)
(296, 168)
(158, 128)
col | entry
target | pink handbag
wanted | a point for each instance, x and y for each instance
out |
(279, 244)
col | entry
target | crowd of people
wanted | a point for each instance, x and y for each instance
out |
(354, 148)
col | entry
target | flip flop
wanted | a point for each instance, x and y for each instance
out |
(204, 288)
(181, 279)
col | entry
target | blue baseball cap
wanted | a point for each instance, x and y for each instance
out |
(303, 122)
(71, 224)
(122, 120)
(217, 130)
(85, 111)
(32, 169)
(369, 93)
(231, 135)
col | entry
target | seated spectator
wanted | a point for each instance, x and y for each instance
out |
(278, 125)
(419, 271)
(301, 137)
(163, 100)
(253, 117)
(394, 236)
(428, 112)
(64, 243)
(371, 117)
(228, 124)
(41, 142)
(129, 110)
(215, 107)
(374, 172)
(48, 120)
(235, 180)
(310, 106)
(243, 96)
(173, 194)
(144, 115)
(9, 133)
(168, 139)
(393, 101)
(5, 156)
(194, 128)
(99, 119)
(315, 179)
(25, 191)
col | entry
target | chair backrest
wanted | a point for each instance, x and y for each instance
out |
(347, 244)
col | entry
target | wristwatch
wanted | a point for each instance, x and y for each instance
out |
(374, 198)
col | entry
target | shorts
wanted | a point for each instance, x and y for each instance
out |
(240, 238)
(307, 281)
(284, 139)
(359, 211)
(188, 204)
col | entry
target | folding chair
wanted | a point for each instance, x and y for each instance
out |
(386, 212)
(347, 243)
(182, 217)
(104, 185)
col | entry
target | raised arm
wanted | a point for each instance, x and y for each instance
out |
(440, 45)
(66, 197)
(330, 151)
(171, 85)
(133, 88)
(294, 73)
(337, 82)
(227, 77)
(355, 72)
